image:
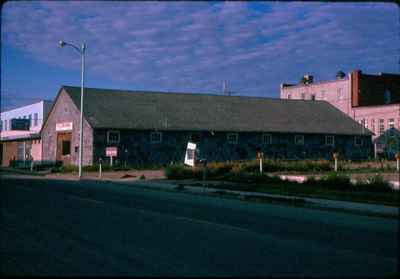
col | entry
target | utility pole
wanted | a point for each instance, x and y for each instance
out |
(225, 88)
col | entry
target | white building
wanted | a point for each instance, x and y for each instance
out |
(22, 143)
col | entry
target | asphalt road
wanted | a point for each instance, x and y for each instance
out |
(51, 227)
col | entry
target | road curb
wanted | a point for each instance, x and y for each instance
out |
(362, 208)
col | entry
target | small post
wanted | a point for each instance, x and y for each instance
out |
(261, 162)
(335, 157)
(111, 161)
(398, 161)
(204, 161)
(398, 167)
(100, 161)
(32, 164)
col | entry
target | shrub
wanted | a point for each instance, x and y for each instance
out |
(215, 169)
(285, 165)
(251, 177)
(181, 172)
(142, 177)
(336, 181)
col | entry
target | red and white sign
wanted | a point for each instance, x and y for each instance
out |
(64, 126)
(111, 151)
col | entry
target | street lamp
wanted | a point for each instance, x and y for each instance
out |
(82, 53)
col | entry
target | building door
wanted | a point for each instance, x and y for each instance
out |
(64, 148)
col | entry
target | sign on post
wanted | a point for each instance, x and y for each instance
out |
(190, 154)
(111, 152)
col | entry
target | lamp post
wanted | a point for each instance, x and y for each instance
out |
(82, 53)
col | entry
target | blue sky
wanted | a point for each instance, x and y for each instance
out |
(190, 46)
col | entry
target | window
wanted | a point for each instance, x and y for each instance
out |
(113, 137)
(364, 122)
(35, 119)
(391, 127)
(340, 93)
(387, 97)
(299, 139)
(267, 139)
(373, 125)
(330, 140)
(232, 138)
(1, 125)
(24, 116)
(289, 96)
(313, 97)
(303, 96)
(391, 123)
(20, 151)
(357, 141)
(30, 120)
(381, 126)
(155, 137)
(5, 125)
(66, 147)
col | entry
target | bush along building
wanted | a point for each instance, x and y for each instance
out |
(153, 128)
(371, 100)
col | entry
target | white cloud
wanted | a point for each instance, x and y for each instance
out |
(189, 43)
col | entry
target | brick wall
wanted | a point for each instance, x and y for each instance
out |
(66, 111)
(214, 147)
(336, 92)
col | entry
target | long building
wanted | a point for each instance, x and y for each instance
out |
(371, 100)
(153, 128)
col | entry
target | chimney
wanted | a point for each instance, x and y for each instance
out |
(307, 79)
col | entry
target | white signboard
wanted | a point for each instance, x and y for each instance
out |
(111, 151)
(64, 126)
(190, 154)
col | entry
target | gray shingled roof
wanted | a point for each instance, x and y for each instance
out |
(119, 109)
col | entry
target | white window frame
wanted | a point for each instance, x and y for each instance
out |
(228, 138)
(159, 140)
(355, 141)
(108, 137)
(267, 136)
(297, 141)
(327, 142)
(381, 124)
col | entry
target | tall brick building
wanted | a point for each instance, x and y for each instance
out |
(371, 100)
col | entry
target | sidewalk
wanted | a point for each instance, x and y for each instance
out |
(155, 180)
